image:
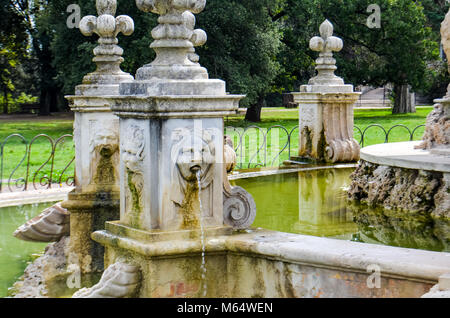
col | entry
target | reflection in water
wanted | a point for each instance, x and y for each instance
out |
(14, 253)
(412, 230)
(322, 203)
(307, 202)
(315, 203)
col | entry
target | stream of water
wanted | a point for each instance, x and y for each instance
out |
(202, 235)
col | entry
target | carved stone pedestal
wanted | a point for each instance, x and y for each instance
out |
(326, 107)
(95, 199)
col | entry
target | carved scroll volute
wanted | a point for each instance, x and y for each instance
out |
(239, 208)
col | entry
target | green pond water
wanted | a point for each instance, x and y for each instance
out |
(315, 203)
(307, 202)
(14, 253)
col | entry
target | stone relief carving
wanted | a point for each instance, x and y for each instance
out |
(239, 208)
(120, 280)
(104, 147)
(133, 147)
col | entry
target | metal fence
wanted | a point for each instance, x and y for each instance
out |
(269, 147)
(41, 163)
(45, 162)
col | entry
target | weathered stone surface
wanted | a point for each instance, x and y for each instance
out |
(326, 107)
(96, 136)
(47, 268)
(54, 274)
(271, 264)
(441, 290)
(409, 190)
(437, 130)
(239, 208)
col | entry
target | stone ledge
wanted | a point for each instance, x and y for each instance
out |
(34, 196)
(409, 264)
(403, 155)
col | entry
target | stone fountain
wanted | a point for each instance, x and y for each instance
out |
(326, 107)
(181, 229)
(96, 135)
(174, 192)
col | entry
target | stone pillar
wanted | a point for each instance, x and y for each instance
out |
(171, 127)
(173, 194)
(95, 199)
(326, 107)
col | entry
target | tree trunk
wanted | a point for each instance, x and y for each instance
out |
(403, 101)
(44, 101)
(254, 112)
(5, 104)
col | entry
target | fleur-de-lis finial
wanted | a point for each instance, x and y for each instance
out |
(175, 39)
(108, 55)
(326, 44)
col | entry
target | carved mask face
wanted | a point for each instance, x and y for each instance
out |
(105, 142)
(195, 157)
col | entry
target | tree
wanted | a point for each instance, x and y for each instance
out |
(13, 39)
(398, 52)
(72, 52)
(242, 46)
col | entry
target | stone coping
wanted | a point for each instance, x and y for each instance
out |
(410, 264)
(264, 173)
(403, 155)
(34, 196)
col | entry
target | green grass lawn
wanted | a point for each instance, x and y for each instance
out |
(16, 152)
(16, 156)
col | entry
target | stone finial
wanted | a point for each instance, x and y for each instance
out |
(175, 39)
(108, 55)
(326, 44)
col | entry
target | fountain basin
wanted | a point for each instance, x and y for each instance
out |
(263, 263)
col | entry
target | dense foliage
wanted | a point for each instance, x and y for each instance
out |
(259, 47)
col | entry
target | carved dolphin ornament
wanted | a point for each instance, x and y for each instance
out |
(49, 226)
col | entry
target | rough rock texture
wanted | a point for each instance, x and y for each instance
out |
(437, 131)
(43, 271)
(408, 190)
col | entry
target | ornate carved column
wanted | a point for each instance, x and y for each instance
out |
(171, 118)
(96, 134)
(172, 169)
(326, 106)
